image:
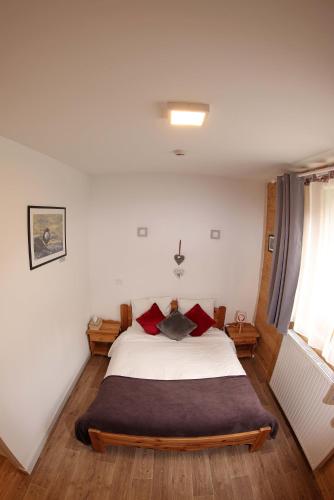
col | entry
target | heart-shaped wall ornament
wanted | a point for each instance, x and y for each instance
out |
(179, 272)
(178, 257)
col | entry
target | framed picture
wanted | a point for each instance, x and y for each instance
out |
(46, 234)
(240, 316)
(271, 243)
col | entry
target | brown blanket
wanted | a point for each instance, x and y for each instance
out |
(179, 408)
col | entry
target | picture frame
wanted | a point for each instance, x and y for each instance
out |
(271, 242)
(240, 316)
(46, 234)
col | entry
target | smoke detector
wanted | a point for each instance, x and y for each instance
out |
(179, 152)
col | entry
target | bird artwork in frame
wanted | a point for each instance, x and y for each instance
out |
(46, 234)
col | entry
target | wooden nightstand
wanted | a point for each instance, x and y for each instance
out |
(245, 340)
(100, 340)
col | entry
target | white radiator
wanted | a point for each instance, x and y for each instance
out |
(304, 387)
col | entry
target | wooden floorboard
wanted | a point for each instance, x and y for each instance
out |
(69, 470)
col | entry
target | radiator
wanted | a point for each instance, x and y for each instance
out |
(304, 387)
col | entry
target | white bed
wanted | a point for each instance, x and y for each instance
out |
(174, 395)
(139, 355)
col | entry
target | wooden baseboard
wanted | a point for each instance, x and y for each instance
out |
(5, 452)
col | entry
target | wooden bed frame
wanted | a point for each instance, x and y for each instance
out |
(126, 315)
(100, 440)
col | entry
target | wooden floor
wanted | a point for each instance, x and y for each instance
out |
(69, 470)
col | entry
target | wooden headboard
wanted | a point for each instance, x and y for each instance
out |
(126, 315)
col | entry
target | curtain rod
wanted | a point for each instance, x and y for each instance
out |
(320, 170)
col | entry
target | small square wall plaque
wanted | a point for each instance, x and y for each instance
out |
(215, 234)
(142, 232)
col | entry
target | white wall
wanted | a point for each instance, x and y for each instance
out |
(175, 207)
(44, 311)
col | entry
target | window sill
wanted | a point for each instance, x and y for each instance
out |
(317, 351)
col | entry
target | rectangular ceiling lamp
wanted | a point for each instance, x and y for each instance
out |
(187, 113)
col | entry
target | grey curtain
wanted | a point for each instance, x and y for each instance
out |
(287, 252)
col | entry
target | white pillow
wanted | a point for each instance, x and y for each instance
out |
(163, 303)
(139, 306)
(208, 305)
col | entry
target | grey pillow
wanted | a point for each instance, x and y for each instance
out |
(176, 326)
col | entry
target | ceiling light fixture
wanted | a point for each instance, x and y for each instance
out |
(179, 152)
(187, 113)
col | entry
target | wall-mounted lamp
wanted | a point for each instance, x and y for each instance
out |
(142, 232)
(215, 234)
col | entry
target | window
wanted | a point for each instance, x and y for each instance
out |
(314, 304)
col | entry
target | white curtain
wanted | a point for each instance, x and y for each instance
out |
(314, 305)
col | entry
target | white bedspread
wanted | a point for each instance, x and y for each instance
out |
(139, 355)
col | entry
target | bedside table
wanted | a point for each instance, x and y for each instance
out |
(245, 340)
(100, 340)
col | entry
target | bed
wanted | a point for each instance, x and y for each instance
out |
(162, 394)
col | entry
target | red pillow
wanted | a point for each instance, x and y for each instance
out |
(203, 320)
(150, 318)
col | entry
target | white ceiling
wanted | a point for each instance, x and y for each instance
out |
(83, 81)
